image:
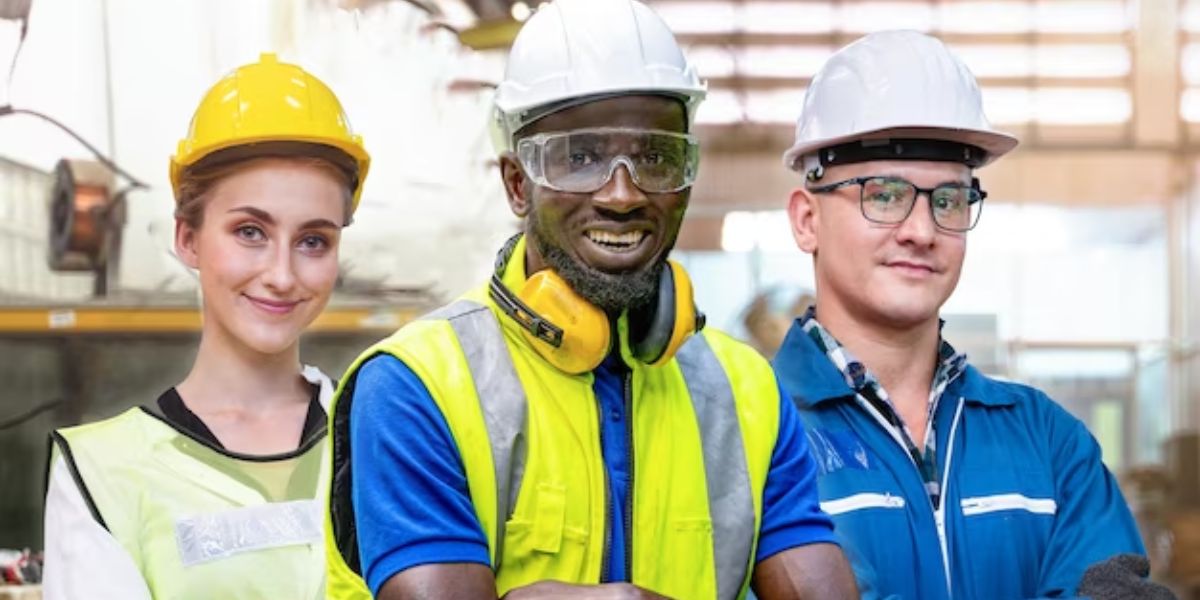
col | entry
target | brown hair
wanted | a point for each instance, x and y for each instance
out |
(197, 181)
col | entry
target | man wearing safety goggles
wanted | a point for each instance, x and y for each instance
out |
(942, 482)
(569, 428)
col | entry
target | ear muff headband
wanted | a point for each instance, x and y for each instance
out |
(674, 319)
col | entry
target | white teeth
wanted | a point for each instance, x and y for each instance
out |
(615, 239)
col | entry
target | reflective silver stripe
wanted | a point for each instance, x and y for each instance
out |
(988, 504)
(730, 504)
(501, 399)
(213, 536)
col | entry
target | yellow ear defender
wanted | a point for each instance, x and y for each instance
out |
(574, 335)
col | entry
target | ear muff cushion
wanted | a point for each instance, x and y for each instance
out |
(586, 331)
(674, 318)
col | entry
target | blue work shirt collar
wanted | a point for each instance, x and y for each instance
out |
(811, 378)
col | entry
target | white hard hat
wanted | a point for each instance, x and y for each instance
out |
(894, 94)
(575, 51)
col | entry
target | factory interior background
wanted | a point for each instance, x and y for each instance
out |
(1082, 278)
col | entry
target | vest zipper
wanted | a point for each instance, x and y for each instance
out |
(629, 491)
(604, 555)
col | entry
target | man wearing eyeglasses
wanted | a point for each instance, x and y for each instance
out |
(942, 482)
(567, 429)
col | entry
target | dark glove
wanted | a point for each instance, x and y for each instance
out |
(1122, 577)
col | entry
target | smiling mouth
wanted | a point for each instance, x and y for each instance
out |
(617, 242)
(912, 267)
(273, 307)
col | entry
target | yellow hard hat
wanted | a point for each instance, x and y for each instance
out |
(267, 102)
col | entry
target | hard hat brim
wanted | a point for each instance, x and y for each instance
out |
(994, 143)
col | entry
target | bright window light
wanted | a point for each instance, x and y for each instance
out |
(698, 17)
(1007, 105)
(1057, 106)
(1190, 63)
(1064, 61)
(1082, 106)
(996, 60)
(969, 16)
(739, 231)
(783, 61)
(520, 11)
(768, 230)
(774, 106)
(984, 17)
(1189, 105)
(778, 17)
(712, 61)
(866, 17)
(1075, 16)
(1082, 60)
(1189, 16)
(720, 107)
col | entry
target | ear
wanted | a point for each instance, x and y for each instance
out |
(185, 244)
(514, 184)
(802, 214)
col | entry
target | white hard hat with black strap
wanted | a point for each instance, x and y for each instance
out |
(893, 95)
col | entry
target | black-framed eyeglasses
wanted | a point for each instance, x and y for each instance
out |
(889, 200)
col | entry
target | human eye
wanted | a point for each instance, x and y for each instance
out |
(313, 243)
(581, 158)
(248, 232)
(652, 158)
(884, 193)
(949, 199)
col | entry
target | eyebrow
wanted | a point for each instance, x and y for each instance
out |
(953, 182)
(266, 217)
(320, 224)
(261, 215)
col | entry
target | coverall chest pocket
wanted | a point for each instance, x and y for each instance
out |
(1005, 517)
(864, 506)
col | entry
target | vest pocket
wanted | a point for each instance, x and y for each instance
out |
(550, 511)
(539, 543)
(691, 544)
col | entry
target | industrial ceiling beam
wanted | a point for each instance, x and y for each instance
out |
(755, 83)
(839, 39)
(490, 10)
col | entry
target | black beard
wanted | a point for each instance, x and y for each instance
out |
(612, 293)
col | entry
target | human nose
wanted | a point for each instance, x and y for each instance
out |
(620, 194)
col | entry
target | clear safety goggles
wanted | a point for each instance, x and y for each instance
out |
(582, 161)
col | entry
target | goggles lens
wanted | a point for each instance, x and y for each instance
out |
(584, 160)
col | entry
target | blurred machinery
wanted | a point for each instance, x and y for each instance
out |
(86, 219)
(769, 315)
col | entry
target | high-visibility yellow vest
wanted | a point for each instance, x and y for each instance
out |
(703, 427)
(199, 522)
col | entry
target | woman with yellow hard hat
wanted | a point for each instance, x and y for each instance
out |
(214, 490)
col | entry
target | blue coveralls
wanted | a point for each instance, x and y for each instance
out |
(1026, 505)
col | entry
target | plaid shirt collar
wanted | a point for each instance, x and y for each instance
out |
(950, 362)
(874, 398)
